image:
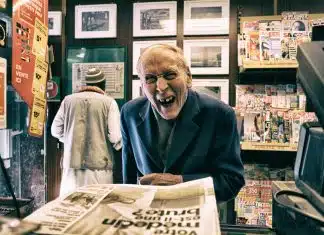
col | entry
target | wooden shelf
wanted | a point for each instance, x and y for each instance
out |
(279, 64)
(268, 146)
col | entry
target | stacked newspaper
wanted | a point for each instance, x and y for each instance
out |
(188, 209)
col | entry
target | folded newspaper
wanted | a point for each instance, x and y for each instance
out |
(185, 209)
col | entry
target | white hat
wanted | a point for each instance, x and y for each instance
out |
(94, 75)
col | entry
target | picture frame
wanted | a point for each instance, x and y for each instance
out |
(155, 19)
(206, 17)
(138, 46)
(136, 88)
(96, 21)
(54, 23)
(207, 56)
(110, 59)
(218, 88)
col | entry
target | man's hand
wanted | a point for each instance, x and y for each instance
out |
(161, 179)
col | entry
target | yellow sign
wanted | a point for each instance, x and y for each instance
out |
(40, 78)
(40, 39)
(37, 117)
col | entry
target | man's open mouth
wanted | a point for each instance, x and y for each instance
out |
(167, 101)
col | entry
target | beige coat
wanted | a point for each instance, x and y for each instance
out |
(88, 123)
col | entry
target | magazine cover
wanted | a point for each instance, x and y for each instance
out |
(254, 45)
(270, 36)
(295, 31)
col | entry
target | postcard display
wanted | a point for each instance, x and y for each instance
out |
(270, 114)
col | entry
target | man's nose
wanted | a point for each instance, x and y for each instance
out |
(161, 84)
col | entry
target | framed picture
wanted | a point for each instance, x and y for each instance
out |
(218, 88)
(110, 59)
(139, 46)
(54, 23)
(207, 56)
(206, 17)
(155, 19)
(136, 89)
(96, 21)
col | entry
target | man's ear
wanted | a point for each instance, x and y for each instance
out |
(189, 78)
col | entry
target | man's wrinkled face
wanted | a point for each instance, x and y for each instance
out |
(164, 81)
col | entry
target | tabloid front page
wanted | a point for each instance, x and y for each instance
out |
(187, 209)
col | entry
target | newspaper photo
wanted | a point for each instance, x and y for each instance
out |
(187, 208)
(114, 74)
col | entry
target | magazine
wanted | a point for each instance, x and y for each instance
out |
(187, 208)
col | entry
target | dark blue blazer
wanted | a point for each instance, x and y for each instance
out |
(205, 143)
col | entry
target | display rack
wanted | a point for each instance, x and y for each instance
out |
(278, 64)
(268, 146)
(272, 64)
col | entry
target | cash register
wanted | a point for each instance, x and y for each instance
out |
(306, 217)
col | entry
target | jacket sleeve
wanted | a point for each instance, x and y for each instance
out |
(129, 167)
(226, 167)
(57, 128)
(114, 134)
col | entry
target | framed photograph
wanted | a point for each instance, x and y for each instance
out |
(155, 19)
(207, 56)
(136, 89)
(54, 23)
(96, 21)
(218, 88)
(110, 59)
(139, 46)
(206, 17)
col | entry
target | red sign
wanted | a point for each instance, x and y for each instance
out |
(29, 44)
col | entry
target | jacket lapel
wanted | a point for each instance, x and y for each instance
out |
(148, 134)
(185, 130)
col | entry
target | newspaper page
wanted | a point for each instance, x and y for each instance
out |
(57, 216)
(113, 71)
(187, 208)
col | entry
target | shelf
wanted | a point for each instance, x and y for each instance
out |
(259, 65)
(268, 146)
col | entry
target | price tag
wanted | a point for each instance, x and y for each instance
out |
(40, 39)
(37, 117)
(40, 78)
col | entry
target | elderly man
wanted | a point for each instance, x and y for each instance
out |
(88, 123)
(175, 134)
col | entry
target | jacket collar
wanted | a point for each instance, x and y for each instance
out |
(185, 130)
(92, 88)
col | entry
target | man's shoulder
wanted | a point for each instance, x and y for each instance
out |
(209, 102)
(134, 105)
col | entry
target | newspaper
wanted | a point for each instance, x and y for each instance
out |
(187, 208)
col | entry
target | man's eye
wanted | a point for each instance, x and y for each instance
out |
(170, 76)
(150, 79)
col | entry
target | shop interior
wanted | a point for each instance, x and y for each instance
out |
(273, 83)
